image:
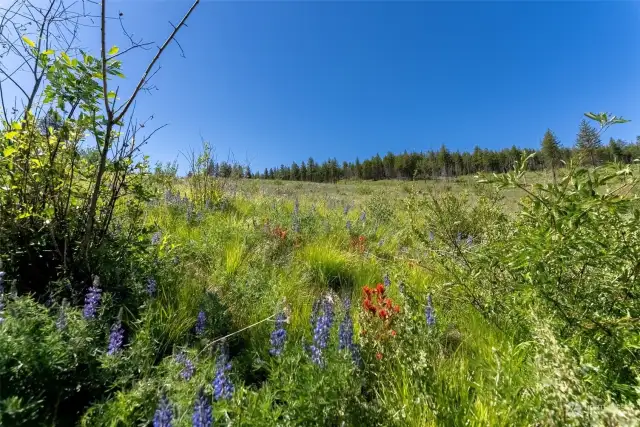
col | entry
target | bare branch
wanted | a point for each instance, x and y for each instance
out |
(143, 79)
(103, 44)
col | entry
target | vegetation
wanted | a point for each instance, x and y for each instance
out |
(137, 297)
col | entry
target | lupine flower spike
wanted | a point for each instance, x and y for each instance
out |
(164, 414)
(151, 286)
(201, 323)
(387, 281)
(279, 335)
(321, 332)
(222, 386)
(430, 312)
(202, 413)
(188, 367)
(92, 299)
(116, 337)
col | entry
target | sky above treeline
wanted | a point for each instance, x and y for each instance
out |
(268, 83)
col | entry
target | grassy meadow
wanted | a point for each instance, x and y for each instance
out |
(385, 319)
(130, 296)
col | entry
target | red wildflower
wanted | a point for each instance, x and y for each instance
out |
(393, 333)
(380, 288)
(370, 307)
(388, 302)
(379, 356)
(396, 308)
(383, 313)
(366, 290)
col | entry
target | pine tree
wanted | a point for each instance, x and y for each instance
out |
(615, 150)
(550, 151)
(588, 141)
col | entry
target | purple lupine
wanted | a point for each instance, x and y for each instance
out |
(469, 240)
(458, 237)
(296, 207)
(386, 280)
(116, 338)
(346, 208)
(381, 242)
(156, 237)
(349, 224)
(431, 235)
(151, 286)
(92, 299)
(202, 412)
(345, 330)
(430, 313)
(222, 385)
(201, 322)
(279, 335)
(363, 216)
(401, 288)
(321, 332)
(188, 369)
(164, 413)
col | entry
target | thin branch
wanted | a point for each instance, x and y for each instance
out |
(103, 31)
(143, 79)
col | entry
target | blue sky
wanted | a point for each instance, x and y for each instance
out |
(276, 82)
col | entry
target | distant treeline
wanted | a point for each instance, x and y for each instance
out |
(445, 163)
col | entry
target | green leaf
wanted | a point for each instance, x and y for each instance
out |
(8, 151)
(28, 41)
(111, 94)
(10, 136)
(66, 58)
(48, 52)
(113, 50)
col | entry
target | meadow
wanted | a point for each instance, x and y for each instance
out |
(357, 303)
(131, 296)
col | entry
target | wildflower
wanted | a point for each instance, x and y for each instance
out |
(279, 335)
(401, 288)
(458, 237)
(383, 313)
(431, 235)
(469, 240)
(222, 386)
(346, 208)
(188, 368)
(430, 312)
(92, 299)
(380, 243)
(349, 225)
(115, 338)
(393, 333)
(156, 237)
(296, 207)
(363, 216)
(379, 356)
(201, 323)
(387, 281)
(164, 414)
(345, 331)
(380, 288)
(202, 413)
(321, 332)
(314, 312)
(151, 286)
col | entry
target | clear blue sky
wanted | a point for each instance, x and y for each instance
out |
(276, 82)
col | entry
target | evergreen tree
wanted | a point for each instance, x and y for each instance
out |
(615, 150)
(588, 141)
(550, 151)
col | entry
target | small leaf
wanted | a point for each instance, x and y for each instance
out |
(28, 41)
(111, 94)
(10, 136)
(66, 58)
(8, 151)
(113, 50)
(48, 52)
(16, 126)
